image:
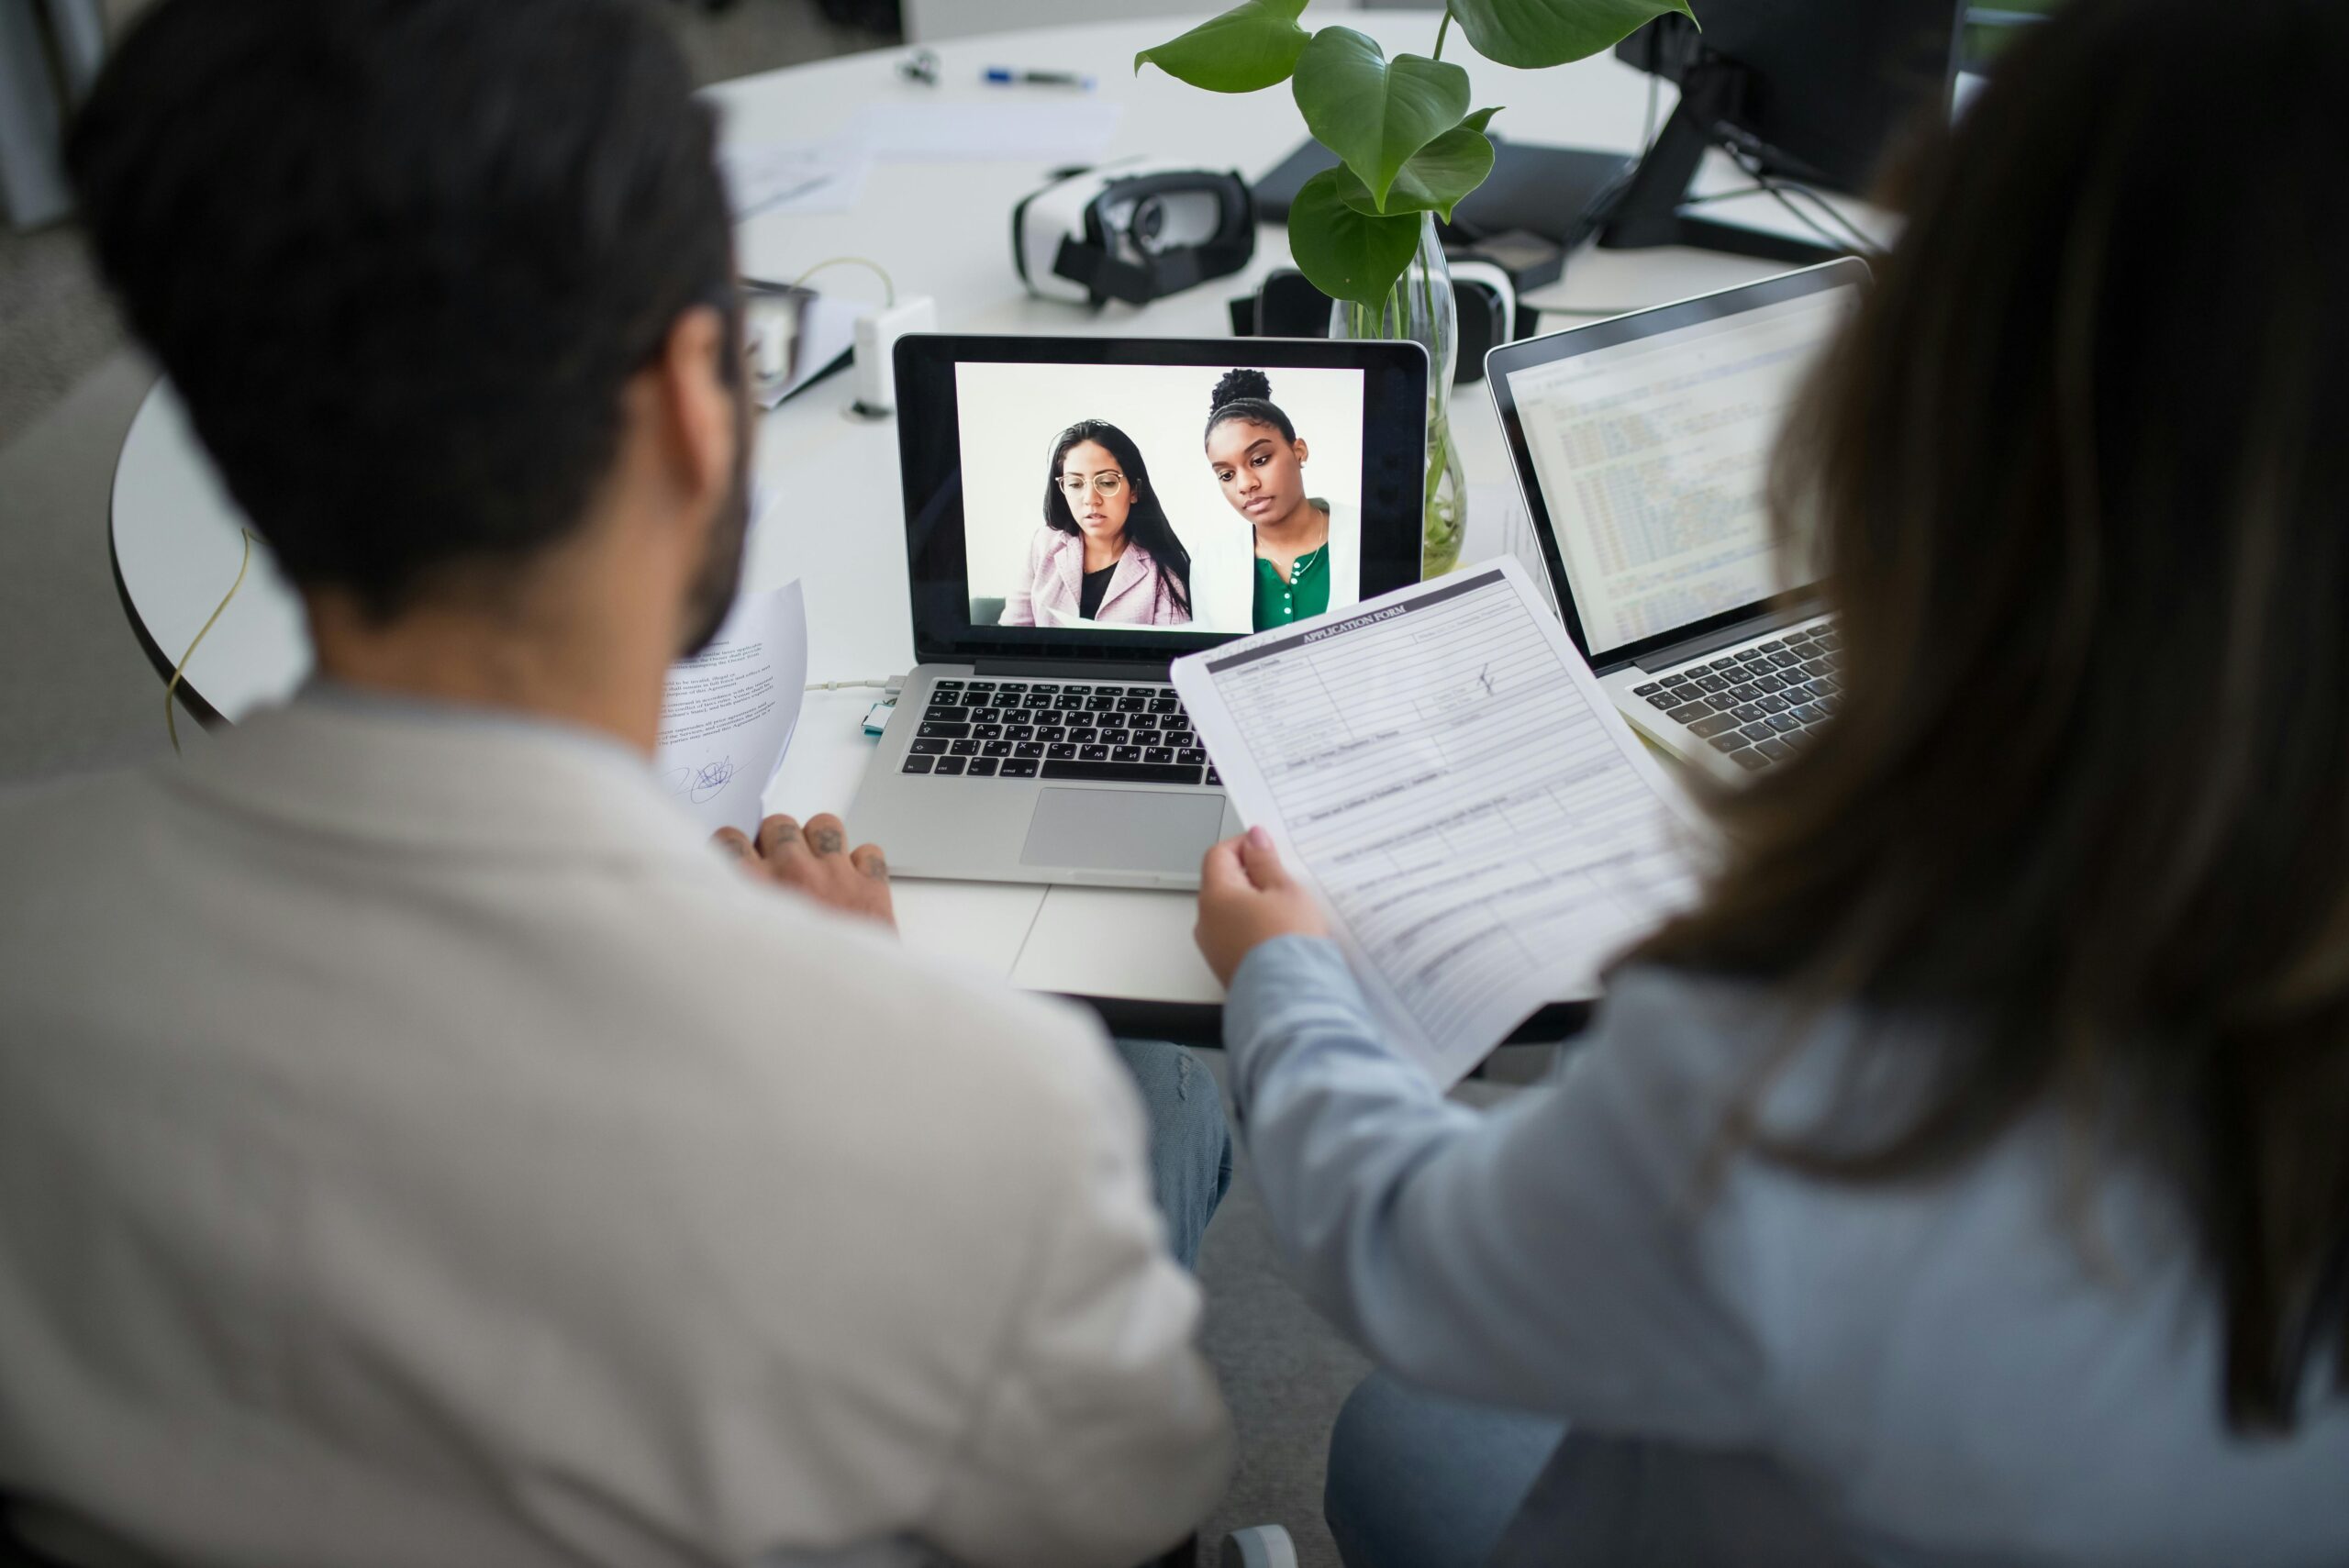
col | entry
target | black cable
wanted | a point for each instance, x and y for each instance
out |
(1827, 236)
(1850, 238)
(1737, 194)
(1866, 245)
(1785, 190)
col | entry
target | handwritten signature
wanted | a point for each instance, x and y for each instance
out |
(705, 782)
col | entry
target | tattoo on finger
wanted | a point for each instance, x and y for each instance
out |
(826, 840)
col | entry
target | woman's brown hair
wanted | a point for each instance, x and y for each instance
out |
(2078, 475)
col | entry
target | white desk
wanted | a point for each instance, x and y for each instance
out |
(942, 230)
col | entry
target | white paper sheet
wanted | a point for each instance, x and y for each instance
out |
(1440, 767)
(1075, 131)
(793, 177)
(728, 712)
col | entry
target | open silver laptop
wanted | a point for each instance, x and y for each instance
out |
(1038, 740)
(1642, 445)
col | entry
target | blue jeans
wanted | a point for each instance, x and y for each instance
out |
(1420, 1482)
(1190, 1148)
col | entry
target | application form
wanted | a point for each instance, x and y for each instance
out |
(1439, 766)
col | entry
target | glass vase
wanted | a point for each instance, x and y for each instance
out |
(1421, 308)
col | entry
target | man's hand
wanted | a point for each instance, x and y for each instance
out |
(1246, 897)
(816, 860)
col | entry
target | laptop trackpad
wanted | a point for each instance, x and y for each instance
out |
(1121, 830)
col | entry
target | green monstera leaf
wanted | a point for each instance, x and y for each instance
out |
(1531, 34)
(1344, 253)
(1435, 177)
(1253, 45)
(1374, 113)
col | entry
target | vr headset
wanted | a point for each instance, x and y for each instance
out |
(1133, 233)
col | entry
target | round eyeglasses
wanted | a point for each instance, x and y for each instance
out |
(1106, 482)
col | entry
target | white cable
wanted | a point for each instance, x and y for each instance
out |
(888, 284)
(894, 683)
(170, 718)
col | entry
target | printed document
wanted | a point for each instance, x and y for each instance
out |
(1042, 130)
(795, 177)
(1440, 767)
(728, 712)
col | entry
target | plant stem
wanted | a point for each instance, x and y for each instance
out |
(1427, 303)
(1439, 458)
(1441, 29)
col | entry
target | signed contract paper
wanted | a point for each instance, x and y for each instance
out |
(728, 712)
(1440, 767)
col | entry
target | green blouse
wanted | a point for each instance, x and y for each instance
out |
(1304, 593)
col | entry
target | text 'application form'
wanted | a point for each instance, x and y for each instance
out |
(1441, 766)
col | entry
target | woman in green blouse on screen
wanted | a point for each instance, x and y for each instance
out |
(1260, 463)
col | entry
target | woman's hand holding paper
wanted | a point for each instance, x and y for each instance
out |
(1247, 897)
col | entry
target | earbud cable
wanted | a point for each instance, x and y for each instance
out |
(170, 718)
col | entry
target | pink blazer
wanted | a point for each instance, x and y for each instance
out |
(1138, 595)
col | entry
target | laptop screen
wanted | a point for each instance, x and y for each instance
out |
(1087, 499)
(1650, 439)
(1097, 498)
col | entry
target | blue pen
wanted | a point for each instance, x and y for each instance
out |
(1009, 76)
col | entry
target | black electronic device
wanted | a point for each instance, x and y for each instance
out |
(1811, 92)
(1557, 193)
(1288, 305)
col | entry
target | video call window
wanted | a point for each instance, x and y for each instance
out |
(1178, 498)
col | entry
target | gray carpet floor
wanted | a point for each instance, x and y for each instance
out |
(76, 690)
(1284, 1373)
(56, 324)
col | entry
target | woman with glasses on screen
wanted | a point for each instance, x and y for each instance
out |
(1106, 552)
(1964, 1178)
(1259, 464)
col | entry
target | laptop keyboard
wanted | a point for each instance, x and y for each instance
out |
(1058, 729)
(1758, 704)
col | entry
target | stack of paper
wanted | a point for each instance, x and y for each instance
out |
(793, 177)
(1052, 131)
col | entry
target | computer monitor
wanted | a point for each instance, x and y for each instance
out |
(1811, 92)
